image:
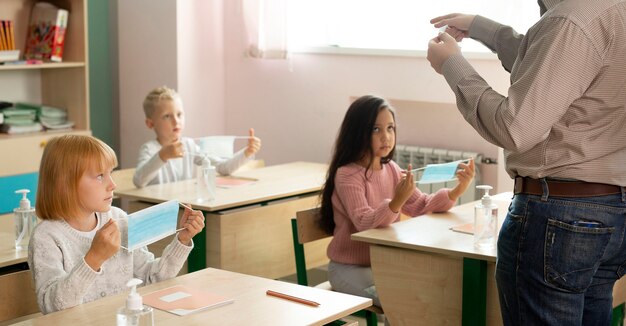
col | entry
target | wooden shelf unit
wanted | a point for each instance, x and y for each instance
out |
(63, 85)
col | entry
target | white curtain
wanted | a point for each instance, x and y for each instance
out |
(265, 22)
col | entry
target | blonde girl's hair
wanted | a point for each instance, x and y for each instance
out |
(65, 159)
(155, 96)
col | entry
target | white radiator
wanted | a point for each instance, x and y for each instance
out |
(422, 156)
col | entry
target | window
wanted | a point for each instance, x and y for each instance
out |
(391, 24)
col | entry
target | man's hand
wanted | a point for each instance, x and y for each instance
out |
(440, 49)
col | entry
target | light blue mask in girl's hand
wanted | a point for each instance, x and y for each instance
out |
(435, 173)
(149, 225)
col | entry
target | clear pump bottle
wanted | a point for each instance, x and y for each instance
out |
(206, 178)
(135, 313)
(25, 220)
(485, 221)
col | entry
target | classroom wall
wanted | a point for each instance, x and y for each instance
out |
(296, 105)
(100, 93)
(173, 43)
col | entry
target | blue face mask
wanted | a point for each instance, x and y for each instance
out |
(435, 173)
(150, 225)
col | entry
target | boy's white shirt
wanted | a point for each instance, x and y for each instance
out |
(63, 279)
(152, 170)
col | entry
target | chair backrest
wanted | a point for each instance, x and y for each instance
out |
(17, 297)
(305, 229)
(308, 226)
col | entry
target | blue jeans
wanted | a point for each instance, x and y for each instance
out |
(558, 259)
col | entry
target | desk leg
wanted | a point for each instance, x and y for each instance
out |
(197, 256)
(474, 311)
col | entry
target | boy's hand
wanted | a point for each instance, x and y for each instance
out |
(173, 150)
(105, 244)
(465, 174)
(254, 144)
(404, 190)
(193, 222)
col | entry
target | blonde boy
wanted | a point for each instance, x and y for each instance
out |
(171, 157)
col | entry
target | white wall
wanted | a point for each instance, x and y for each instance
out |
(173, 43)
(297, 106)
(147, 59)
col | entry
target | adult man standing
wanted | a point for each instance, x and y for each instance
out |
(563, 129)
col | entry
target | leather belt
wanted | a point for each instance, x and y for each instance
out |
(564, 188)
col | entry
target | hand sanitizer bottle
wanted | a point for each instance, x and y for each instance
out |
(24, 220)
(206, 178)
(134, 313)
(485, 221)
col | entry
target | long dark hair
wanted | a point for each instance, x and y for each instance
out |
(353, 144)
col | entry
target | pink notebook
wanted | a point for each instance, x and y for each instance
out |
(464, 228)
(182, 300)
(228, 182)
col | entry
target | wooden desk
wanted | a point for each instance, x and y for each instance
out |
(426, 274)
(17, 294)
(247, 227)
(251, 305)
(9, 257)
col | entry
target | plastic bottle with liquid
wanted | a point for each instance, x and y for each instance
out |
(25, 220)
(135, 313)
(206, 179)
(485, 221)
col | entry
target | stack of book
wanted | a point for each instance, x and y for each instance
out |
(19, 120)
(24, 117)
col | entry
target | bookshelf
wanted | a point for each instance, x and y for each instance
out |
(63, 85)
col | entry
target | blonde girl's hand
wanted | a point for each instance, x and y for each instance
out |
(458, 24)
(173, 150)
(404, 190)
(193, 222)
(465, 174)
(254, 144)
(105, 244)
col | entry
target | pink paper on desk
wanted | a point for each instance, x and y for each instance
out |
(227, 182)
(183, 300)
(467, 228)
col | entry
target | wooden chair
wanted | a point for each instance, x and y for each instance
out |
(17, 297)
(305, 229)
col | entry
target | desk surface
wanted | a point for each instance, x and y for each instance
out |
(8, 255)
(274, 182)
(251, 305)
(431, 232)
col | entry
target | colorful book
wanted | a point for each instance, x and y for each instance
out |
(182, 300)
(46, 33)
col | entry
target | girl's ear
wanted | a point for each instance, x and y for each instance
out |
(149, 123)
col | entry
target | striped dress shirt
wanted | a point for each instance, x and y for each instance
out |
(565, 112)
